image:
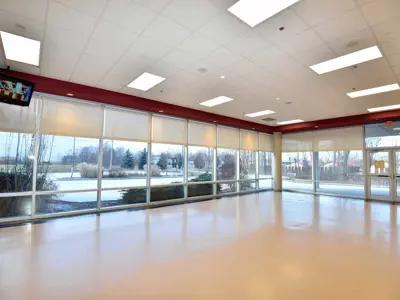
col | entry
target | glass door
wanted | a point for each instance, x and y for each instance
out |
(380, 175)
(384, 175)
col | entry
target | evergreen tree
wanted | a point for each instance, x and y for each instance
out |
(143, 159)
(128, 160)
(163, 161)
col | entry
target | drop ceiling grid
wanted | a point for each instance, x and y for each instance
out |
(260, 64)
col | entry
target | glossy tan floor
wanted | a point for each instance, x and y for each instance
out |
(265, 246)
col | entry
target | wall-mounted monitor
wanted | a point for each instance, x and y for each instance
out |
(15, 91)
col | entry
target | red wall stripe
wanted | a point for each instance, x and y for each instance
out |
(62, 88)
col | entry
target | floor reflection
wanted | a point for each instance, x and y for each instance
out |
(101, 249)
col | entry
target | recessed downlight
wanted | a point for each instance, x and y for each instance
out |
(21, 49)
(216, 101)
(384, 108)
(348, 60)
(146, 81)
(376, 90)
(253, 12)
(260, 113)
(290, 122)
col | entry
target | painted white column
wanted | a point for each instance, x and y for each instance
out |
(277, 162)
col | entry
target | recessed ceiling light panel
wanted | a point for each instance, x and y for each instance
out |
(373, 91)
(21, 49)
(348, 60)
(290, 122)
(260, 113)
(384, 108)
(253, 12)
(146, 81)
(216, 101)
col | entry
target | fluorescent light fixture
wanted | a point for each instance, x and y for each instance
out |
(396, 128)
(373, 91)
(146, 81)
(383, 108)
(290, 122)
(260, 113)
(254, 12)
(216, 101)
(21, 49)
(347, 60)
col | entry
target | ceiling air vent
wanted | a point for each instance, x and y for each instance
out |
(269, 119)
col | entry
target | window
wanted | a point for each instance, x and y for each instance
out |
(123, 197)
(265, 165)
(226, 187)
(247, 164)
(166, 193)
(124, 164)
(226, 164)
(65, 202)
(167, 164)
(15, 206)
(248, 185)
(16, 162)
(67, 163)
(378, 135)
(197, 190)
(200, 164)
(340, 172)
(297, 171)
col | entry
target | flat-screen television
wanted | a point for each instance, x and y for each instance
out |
(15, 91)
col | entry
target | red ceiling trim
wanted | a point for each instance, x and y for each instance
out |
(358, 120)
(62, 88)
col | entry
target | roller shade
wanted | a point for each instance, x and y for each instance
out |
(297, 142)
(70, 118)
(228, 137)
(169, 130)
(126, 125)
(248, 140)
(339, 139)
(266, 142)
(18, 118)
(202, 134)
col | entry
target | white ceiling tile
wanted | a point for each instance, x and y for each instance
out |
(197, 46)
(376, 72)
(119, 76)
(391, 48)
(22, 67)
(67, 18)
(314, 56)
(129, 15)
(387, 31)
(290, 68)
(29, 28)
(267, 56)
(380, 11)
(316, 12)
(353, 42)
(163, 69)
(167, 31)
(177, 59)
(190, 13)
(292, 23)
(223, 28)
(104, 39)
(347, 23)
(343, 80)
(219, 59)
(155, 5)
(303, 41)
(58, 67)
(248, 44)
(223, 4)
(394, 59)
(148, 47)
(35, 10)
(239, 68)
(90, 70)
(91, 7)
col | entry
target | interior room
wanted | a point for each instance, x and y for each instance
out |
(199, 149)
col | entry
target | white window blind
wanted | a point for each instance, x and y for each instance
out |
(341, 139)
(70, 118)
(18, 118)
(169, 130)
(266, 142)
(202, 134)
(126, 125)
(297, 142)
(248, 140)
(228, 137)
